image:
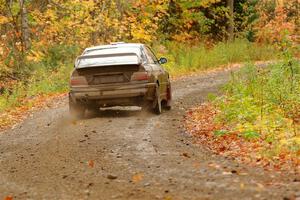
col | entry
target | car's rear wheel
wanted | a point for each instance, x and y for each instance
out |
(157, 101)
(76, 109)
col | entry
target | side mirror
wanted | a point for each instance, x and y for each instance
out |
(162, 61)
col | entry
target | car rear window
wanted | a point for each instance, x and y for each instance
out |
(111, 56)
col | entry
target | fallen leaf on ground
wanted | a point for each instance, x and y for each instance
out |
(168, 198)
(227, 173)
(196, 165)
(186, 155)
(242, 185)
(259, 185)
(137, 177)
(91, 163)
(112, 177)
(214, 165)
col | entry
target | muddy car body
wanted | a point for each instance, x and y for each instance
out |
(119, 74)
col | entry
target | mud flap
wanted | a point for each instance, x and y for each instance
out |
(157, 107)
(169, 97)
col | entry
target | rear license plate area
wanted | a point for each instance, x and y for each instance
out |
(108, 79)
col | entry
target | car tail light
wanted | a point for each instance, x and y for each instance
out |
(78, 80)
(140, 76)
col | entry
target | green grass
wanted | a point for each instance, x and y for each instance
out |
(265, 103)
(185, 59)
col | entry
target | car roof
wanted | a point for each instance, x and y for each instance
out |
(118, 47)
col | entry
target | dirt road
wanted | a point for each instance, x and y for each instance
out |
(128, 155)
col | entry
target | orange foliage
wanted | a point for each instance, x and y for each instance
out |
(280, 25)
(91, 163)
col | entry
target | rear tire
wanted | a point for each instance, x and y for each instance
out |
(165, 105)
(76, 109)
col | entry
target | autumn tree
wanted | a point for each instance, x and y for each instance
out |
(230, 28)
(15, 37)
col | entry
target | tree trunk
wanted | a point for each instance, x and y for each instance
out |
(230, 28)
(24, 25)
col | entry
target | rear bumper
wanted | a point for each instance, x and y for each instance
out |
(111, 91)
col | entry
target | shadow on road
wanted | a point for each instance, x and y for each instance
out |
(114, 112)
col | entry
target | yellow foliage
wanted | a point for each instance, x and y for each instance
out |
(182, 37)
(3, 19)
(35, 56)
(207, 3)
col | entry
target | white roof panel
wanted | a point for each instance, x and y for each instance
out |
(110, 55)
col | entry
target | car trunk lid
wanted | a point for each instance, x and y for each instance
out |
(109, 74)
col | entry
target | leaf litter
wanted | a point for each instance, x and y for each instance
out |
(220, 139)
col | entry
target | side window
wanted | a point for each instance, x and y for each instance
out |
(143, 54)
(150, 56)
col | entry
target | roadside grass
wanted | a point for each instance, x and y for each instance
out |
(264, 104)
(185, 59)
(40, 83)
(47, 76)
